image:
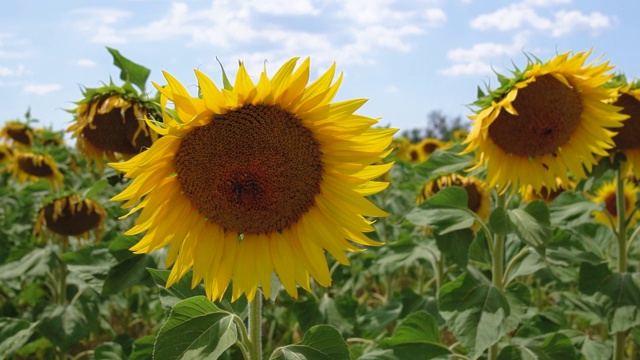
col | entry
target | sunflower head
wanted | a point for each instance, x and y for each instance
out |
(6, 155)
(606, 195)
(70, 215)
(402, 146)
(427, 146)
(627, 140)
(34, 166)
(17, 133)
(548, 194)
(48, 137)
(478, 195)
(109, 123)
(459, 135)
(548, 121)
(257, 178)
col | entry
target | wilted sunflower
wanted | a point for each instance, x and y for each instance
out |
(548, 121)
(606, 195)
(109, 123)
(33, 167)
(478, 195)
(627, 140)
(48, 137)
(18, 133)
(258, 178)
(70, 215)
(548, 194)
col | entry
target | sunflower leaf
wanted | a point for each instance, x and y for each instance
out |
(14, 333)
(621, 294)
(532, 224)
(555, 346)
(130, 72)
(321, 342)
(445, 211)
(196, 329)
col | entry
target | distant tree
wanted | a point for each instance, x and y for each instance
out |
(439, 126)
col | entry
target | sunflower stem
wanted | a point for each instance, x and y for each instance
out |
(255, 326)
(497, 268)
(619, 341)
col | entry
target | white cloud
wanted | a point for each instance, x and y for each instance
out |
(475, 67)
(525, 16)
(88, 63)
(284, 7)
(41, 89)
(5, 71)
(477, 59)
(435, 17)
(102, 24)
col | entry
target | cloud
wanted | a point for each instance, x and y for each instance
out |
(525, 16)
(88, 63)
(7, 71)
(102, 24)
(41, 89)
(347, 31)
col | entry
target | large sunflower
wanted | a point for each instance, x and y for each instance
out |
(549, 121)
(258, 178)
(627, 140)
(34, 166)
(70, 215)
(606, 195)
(109, 123)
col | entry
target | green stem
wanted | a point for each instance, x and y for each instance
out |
(618, 347)
(497, 268)
(255, 326)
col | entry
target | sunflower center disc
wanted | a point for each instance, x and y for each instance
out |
(474, 198)
(32, 167)
(429, 148)
(114, 131)
(549, 113)
(253, 170)
(75, 219)
(20, 135)
(629, 135)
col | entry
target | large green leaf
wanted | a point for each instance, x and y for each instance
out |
(620, 290)
(36, 263)
(91, 264)
(455, 245)
(443, 162)
(376, 320)
(417, 334)
(14, 333)
(108, 351)
(476, 313)
(321, 342)
(128, 273)
(532, 224)
(142, 348)
(446, 211)
(571, 208)
(556, 346)
(196, 329)
(130, 71)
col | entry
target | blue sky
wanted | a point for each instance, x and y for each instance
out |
(408, 57)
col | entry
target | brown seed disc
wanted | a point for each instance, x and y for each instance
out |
(20, 134)
(414, 155)
(474, 198)
(549, 113)
(429, 148)
(74, 219)
(628, 136)
(253, 170)
(114, 131)
(28, 164)
(550, 195)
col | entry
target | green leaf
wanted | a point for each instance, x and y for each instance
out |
(143, 348)
(556, 346)
(620, 290)
(376, 320)
(95, 189)
(476, 313)
(532, 224)
(36, 263)
(445, 211)
(129, 71)
(417, 334)
(109, 351)
(595, 350)
(499, 221)
(128, 273)
(456, 244)
(179, 291)
(321, 342)
(571, 208)
(14, 333)
(443, 162)
(195, 329)
(66, 325)
(91, 264)
(451, 197)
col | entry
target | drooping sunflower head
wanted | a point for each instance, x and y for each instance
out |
(34, 166)
(70, 215)
(257, 178)
(478, 195)
(48, 137)
(17, 133)
(109, 123)
(548, 121)
(627, 140)
(6, 155)
(548, 194)
(606, 195)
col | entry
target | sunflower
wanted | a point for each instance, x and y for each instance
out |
(6, 155)
(48, 137)
(70, 215)
(548, 121)
(606, 195)
(548, 194)
(109, 123)
(459, 135)
(402, 146)
(427, 146)
(18, 133)
(627, 140)
(256, 179)
(478, 195)
(33, 167)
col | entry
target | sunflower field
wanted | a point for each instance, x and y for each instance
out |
(258, 218)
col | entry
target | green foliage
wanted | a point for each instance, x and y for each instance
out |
(321, 342)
